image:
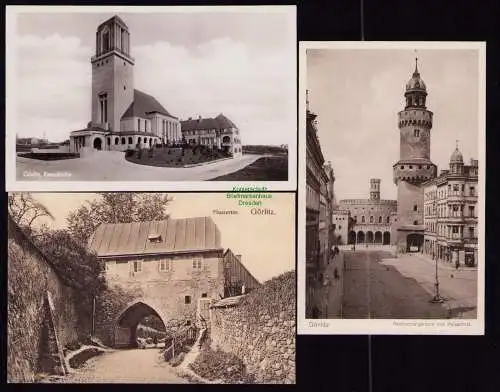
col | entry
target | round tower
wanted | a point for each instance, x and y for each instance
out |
(414, 166)
(375, 189)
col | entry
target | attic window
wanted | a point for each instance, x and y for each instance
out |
(154, 238)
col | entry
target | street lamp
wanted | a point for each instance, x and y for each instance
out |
(437, 297)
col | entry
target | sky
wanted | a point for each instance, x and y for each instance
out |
(242, 64)
(357, 95)
(252, 236)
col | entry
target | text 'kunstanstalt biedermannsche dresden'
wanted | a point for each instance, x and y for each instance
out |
(252, 196)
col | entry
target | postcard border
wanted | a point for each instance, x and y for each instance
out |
(377, 326)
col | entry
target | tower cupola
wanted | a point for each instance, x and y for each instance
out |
(416, 90)
(456, 161)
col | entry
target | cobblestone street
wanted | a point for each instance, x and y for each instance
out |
(125, 366)
(375, 290)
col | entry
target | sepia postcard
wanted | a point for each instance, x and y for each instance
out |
(392, 188)
(151, 288)
(105, 98)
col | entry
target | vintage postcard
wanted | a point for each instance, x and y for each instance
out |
(188, 98)
(151, 288)
(392, 187)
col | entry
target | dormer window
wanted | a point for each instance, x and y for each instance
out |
(154, 238)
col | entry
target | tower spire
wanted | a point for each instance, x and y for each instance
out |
(416, 62)
(456, 144)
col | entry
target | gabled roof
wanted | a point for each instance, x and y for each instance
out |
(219, 122)
(171, 236)
(144, 104)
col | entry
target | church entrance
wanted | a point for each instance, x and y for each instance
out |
(414, 242)
(98, 143)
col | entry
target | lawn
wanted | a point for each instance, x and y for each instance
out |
(270, 168)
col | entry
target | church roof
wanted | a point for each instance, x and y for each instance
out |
(219, 122)
(167, 236)
(144, 104)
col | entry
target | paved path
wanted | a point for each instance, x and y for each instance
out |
(112, 166)
(373, 290)
(126, 366)
(458, 287)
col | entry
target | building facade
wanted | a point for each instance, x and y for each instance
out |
(316, 197)
(451, 213)
(175, 267)
(122, 117)
(414, 166)
(371, 218)
(218, 132)
(340, 218)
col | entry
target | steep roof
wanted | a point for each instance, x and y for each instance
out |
(144, 104)
(171, 236)
(219, 122)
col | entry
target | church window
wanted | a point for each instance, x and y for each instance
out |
(130, 140)
(187, 299)
(137, 266)
(164, 266)
(116, 140)
(103, 107)
(197, 263)
(123, 140)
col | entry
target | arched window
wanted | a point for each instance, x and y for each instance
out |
(362, 219)
(139, 140)
(379, 219)
(387, 219)
(116, 140)
(130, 141)
(371, 219)
(123, 140)
(415, 222)
(416, 133)
(108, 140)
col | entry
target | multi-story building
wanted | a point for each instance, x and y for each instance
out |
(316, 194)
(451, 213)
(174, 268)
(371, 218)
(218, 132)
(340, 218)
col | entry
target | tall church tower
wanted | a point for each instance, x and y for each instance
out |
(112, 74)
(414, 166)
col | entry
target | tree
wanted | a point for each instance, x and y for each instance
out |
(116, 207)
(26, 211)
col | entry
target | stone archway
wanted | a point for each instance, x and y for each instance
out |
(98, 143)
(360, 237)
(369, 237)
(378, 237)
(351, 239)
(387, 238)
(125, 328)
(414, 242)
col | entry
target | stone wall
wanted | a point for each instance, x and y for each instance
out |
(30, 277)
(260, 329)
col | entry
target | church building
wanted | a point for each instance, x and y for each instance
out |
(122, 117)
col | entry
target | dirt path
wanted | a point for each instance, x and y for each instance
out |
(126, 366)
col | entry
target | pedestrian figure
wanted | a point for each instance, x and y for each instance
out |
(457, 265)
(155, 340)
